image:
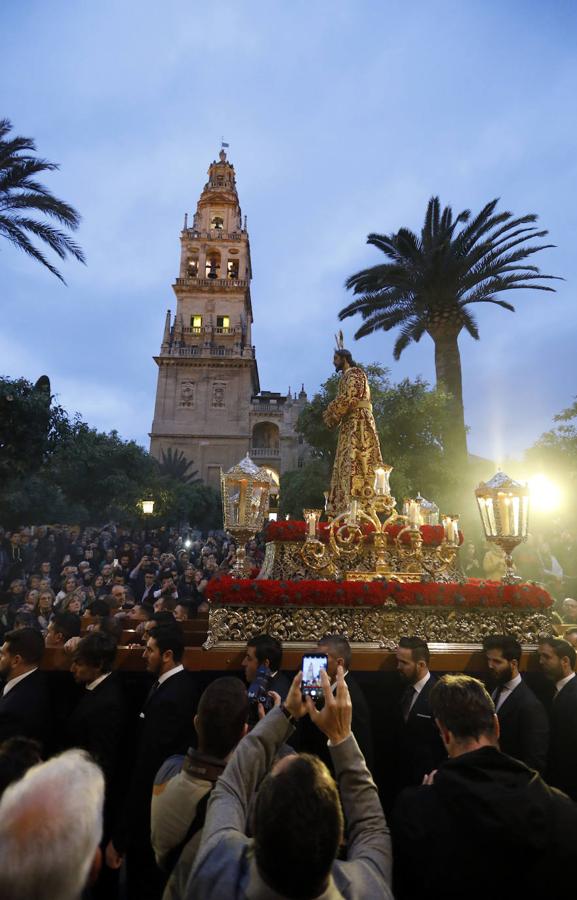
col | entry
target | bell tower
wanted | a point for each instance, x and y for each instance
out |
(207, 370)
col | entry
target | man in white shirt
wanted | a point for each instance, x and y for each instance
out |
(557, 659)
(522, 718)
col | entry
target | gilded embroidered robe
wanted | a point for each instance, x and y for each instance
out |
(358, 450)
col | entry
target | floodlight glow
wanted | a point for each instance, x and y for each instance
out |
(546, 496)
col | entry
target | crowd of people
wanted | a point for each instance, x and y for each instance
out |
(50, 571)
(236, 795)
(112, 788)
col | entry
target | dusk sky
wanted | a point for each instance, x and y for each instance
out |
(343, 118)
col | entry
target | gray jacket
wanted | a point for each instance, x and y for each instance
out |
(225, 867)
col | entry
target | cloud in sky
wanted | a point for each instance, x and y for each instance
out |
(344, 117)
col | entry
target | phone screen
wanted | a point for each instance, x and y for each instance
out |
(311, 668)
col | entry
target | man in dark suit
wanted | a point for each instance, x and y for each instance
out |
(97, 725)
(307, 737)
(557, 659)
(420, 749)
(483, 818)
(167, 728)
(265, 650)
(24, 703)
(522, 718)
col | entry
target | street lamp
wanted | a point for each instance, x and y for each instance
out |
(147, 507)
(504, 509)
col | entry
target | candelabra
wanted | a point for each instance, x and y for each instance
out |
(504, 509)
(245, 497)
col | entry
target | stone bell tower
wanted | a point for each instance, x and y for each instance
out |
(208, 399)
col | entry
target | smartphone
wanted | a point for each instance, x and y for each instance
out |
(311, 668)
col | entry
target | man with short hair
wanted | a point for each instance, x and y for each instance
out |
(64, 625)
(524, 729)
(97, 725)
(50, 827)
(298, 821)
(420, 747)
(24, 700)
(483, 819)
(265, 650)
(166, 722)
(183, 783)
(557, 660)
(308, 739)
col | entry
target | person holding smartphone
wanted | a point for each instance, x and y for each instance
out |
(298, 823)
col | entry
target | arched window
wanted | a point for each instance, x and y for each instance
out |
(213, 265)
(217, 223)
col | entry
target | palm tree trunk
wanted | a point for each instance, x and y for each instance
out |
(449, 379)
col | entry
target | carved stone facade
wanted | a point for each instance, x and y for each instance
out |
(209, 403)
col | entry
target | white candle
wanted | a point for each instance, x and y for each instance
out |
(354, 510)
(380, 482)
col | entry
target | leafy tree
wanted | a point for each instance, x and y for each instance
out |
(22, 197)
(31, 426)
(410, 419)
(174, 464)
(556, 451)
(304, 488)
(434, 278)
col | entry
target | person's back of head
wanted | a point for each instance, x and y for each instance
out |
(98, 649)
(27, 643)
(17, 755)
(50, 829)
(463, 707)
(66, 624)
(221, 718)
(298, 826)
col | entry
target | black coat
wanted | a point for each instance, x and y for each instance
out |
(309, 739)
(280, 684)
(25, 710)
(524, 728)
(420, 748)
(485, 822)
(562, 761)
(166, 728)
(97, 724)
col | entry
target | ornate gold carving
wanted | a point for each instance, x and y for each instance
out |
(290, 559)
(383, 626)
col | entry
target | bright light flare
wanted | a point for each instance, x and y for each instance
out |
(546, 496)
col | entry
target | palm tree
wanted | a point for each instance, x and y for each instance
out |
(433, 279)
(21, 195)
(175, 465)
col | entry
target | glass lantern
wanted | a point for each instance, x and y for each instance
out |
(504, 509)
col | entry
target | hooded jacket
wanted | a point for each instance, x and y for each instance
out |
(487, 824)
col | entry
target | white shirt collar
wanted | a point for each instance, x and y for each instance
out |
(511, 685)
(560, 684)
(14, 681)
(170, 673)
(97, 681)
(420, 684)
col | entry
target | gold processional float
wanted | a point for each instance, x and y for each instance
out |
(372, 544)
(368, 571)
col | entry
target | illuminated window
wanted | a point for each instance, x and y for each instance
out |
(193, 267)
(196, 321)
(232, 268)
(223, 322)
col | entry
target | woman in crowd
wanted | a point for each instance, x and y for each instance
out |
(43, 608)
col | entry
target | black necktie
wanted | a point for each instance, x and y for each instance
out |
(406, 701)
(151, 692)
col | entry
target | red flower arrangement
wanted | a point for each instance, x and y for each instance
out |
(294, 530)
(227, 591)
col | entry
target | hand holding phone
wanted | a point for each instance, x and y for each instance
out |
(311, 684)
